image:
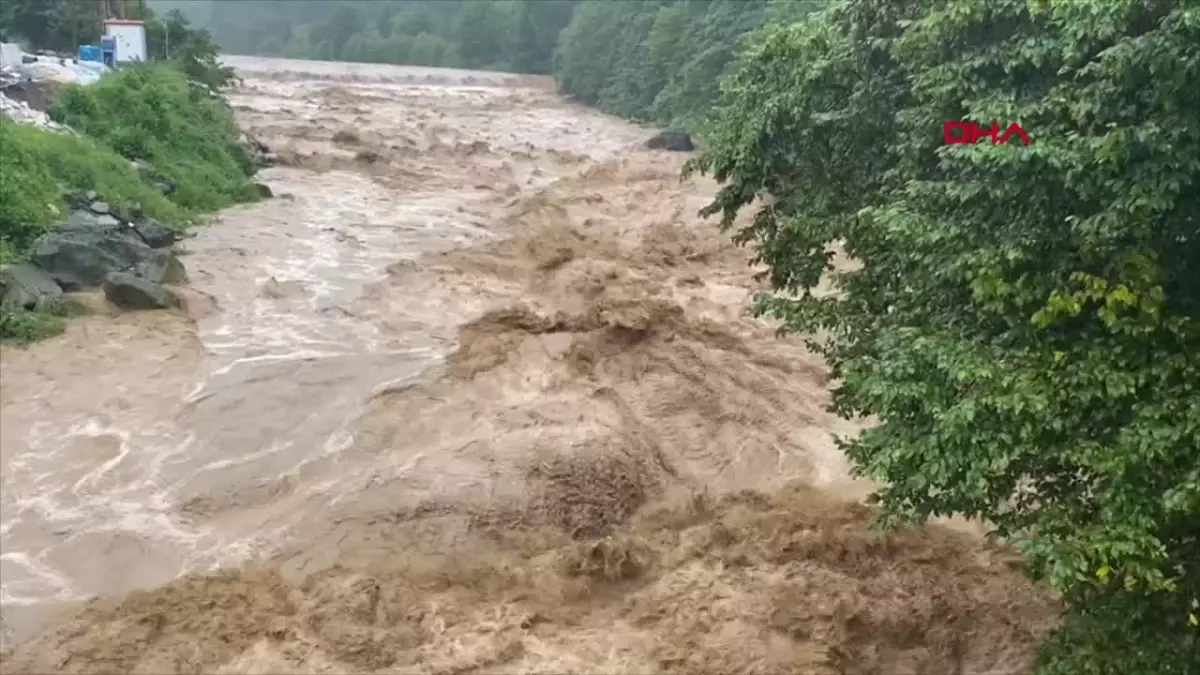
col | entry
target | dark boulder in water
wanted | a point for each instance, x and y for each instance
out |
(81, 252)
(129, 291)
(27, 287)
(675, 141)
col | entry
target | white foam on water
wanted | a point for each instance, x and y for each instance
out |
(277, 400)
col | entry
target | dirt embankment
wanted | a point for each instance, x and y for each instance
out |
(617, 470)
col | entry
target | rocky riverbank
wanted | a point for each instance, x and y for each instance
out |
(100, 246)
(128, 256)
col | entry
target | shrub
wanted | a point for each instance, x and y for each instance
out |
(40, 166)
(151, 113)
(22, 327)
(1026, 319)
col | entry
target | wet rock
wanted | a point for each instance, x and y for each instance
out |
(81, 252)
(84, 303)
(27, 287)
(154, 233)
(78, 201)
(86, 220)
(163, 268)
(129, 291)
(263, 191)
(676, 141)
(98, 207)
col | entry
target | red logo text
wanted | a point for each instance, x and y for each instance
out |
(970, 132)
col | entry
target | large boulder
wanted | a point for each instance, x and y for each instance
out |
(162, 268)
(677, 141)
(153, 233)
(27, 287)
(130, 291)
(81, 252)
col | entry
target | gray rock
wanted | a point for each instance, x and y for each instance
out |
(163, 268)
(87, 219)
(129, 291)
(27, 287)
(77, 201)
(263, 191)
(80, 253)
(154, 233)
(77, 304)
(98, 207)
(91, 195)
(676, 141)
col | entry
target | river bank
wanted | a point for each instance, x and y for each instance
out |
(479, 393)
(129, 163)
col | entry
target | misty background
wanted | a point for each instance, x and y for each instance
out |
(650, 60)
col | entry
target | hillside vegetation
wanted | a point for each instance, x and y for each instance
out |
(150, 114)
(644, 59)
(1026, 317)
(138, 130)
(516, 35)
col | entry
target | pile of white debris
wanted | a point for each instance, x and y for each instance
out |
(18, 67)
(19, 111)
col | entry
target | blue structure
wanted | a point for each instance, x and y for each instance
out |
(108, 51)
(91, 53)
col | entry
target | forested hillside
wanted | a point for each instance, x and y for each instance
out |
(1024, 321)
(515, 35)
(655, 60)
(660, 61)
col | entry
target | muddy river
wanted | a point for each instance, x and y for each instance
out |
(473, 311)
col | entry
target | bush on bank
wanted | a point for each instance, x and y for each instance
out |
(1026, 321)
(39, 167)
(150, 113)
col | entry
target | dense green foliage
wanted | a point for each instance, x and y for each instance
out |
(59, 25)
(40, 166)
(659, 60)
(23, 327)
(1025, 323)
(173, 37)
(150, 113)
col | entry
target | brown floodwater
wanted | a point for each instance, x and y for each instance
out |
(473, 311)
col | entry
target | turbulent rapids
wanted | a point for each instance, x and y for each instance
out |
(477, 392)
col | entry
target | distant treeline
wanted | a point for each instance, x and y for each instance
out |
(659, 60)
(654, 60)
(484, 34)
